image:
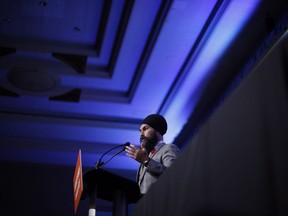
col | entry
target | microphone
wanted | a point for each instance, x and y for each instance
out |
(100, 163)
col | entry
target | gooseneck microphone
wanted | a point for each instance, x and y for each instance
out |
(100, 163)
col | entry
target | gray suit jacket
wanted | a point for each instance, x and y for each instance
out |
(160, 160)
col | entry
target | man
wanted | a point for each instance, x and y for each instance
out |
(154, 155)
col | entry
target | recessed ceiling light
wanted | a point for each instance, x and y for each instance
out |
(6, 20)
(42, 3)
(76, 28)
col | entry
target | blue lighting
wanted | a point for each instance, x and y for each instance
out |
(135, 88)
(232, 21)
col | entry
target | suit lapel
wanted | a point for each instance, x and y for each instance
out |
(141, 173)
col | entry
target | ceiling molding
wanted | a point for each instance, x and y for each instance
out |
(205, 33)
(152, 39)
(102, 26)
(77, 62)
(128, 6)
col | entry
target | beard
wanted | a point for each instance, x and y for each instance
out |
(149, 142)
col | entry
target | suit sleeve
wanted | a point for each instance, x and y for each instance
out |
(167, 155)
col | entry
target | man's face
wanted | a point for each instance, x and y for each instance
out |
(148, 137)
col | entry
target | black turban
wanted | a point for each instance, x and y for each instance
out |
(157, 122)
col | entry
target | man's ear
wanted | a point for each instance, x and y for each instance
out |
(159, 136)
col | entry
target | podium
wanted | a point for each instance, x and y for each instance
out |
(99, 183)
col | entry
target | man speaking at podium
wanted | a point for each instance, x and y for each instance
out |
(154, 155)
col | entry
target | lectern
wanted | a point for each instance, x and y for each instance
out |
(99, 183)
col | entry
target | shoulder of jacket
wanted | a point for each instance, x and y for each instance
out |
(170, 146)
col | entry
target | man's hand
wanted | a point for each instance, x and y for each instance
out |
(138, 154)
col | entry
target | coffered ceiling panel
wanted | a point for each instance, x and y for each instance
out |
(81, 74)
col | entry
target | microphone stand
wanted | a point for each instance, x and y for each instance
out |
(101, 164)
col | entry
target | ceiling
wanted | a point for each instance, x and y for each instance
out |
(82, 74)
